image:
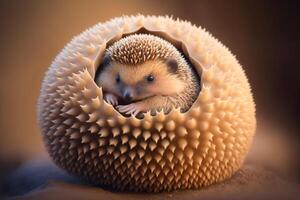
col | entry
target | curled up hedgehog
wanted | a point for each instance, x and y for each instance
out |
(150, 73)
(147, 104)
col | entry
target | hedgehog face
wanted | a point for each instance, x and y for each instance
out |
(134, 83)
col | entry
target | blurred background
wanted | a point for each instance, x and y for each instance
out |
(264, 35)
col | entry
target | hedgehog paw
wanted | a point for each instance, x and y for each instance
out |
(111, 99)
(130, 109)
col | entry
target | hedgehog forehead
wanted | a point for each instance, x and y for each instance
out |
(139, 48)
(132, 75)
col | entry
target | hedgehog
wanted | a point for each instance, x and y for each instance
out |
(148, 74)
(91, 139)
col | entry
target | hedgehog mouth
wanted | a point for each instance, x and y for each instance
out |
(138, 100)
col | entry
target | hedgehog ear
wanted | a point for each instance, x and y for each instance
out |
(172, 65)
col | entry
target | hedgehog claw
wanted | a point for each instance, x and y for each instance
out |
(131, 109)
(111, 99)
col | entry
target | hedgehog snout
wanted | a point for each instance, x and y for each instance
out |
(128, 93)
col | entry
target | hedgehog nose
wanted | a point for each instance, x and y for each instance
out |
(127, 95)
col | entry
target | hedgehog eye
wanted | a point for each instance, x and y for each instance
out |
(150, 78)
(118, 79)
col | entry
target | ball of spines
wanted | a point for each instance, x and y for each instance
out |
(89, 138)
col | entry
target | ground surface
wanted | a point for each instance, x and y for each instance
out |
(41, 179)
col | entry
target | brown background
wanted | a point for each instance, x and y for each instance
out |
(262, 34)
